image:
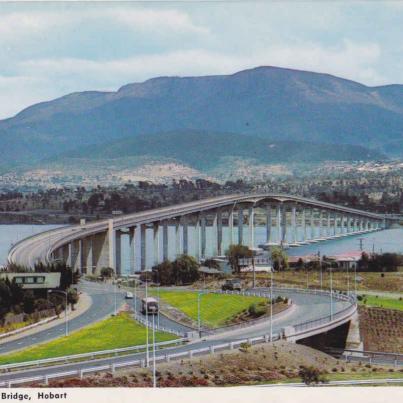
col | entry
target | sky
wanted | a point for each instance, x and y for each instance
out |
(50, 49)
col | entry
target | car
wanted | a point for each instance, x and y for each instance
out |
(232, 285)
(129, 295)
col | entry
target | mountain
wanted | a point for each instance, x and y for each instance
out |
(205, 150)
(267, 102)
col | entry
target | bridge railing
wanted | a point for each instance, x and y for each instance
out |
(79, 357)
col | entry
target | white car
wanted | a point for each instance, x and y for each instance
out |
(129, 295)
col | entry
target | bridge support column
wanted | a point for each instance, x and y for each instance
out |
(268, 223)
(118, 251)
(156, 243)
(278, 223)
(197, 239)
(231, 227)
(165, 240)
(251, 219)
(328, 224)
(132, 245)
(87, 255)
(76, 255)
(185, 238)
(240, 226)
(294, 225)
(219, 233)
(100, 251)
(112, 245)
(203, 235)
(284, 223)
(334, 223)
(214, 235)
(304, 234)
(177, 237)
(321, 228)
(312, 222)
(143, 231)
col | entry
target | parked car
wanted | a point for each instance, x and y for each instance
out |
(232, 285)
(129, 295)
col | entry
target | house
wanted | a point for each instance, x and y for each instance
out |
(33, 281)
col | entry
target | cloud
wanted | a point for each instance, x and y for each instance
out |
(22, 24)
(154, 20)
(350, 60)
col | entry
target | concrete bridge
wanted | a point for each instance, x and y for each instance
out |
(288, 220)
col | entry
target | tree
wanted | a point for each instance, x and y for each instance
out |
(279, 259)
(29, 302)
(236, 252)
(72, 297)
(107, 272)
(163, 273)
(185, 270)
(211, 263)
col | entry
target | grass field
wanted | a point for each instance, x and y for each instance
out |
(216, 309)
(388, 282)
(114, 332)
(382, 302)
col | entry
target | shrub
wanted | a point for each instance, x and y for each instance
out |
(311, 375)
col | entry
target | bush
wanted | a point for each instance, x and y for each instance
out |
(256, 310)
(311, 375)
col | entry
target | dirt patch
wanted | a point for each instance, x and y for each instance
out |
(248, 365)
(381, 329)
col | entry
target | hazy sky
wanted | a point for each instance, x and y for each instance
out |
(50, 49)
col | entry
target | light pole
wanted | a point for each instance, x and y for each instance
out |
(65, 309)
(348, 281)
(147, 347)
(320, 269)
(331, 294)
(355, 279)
(198, 313)
(271, 304)
(115, 297)
(154, 368)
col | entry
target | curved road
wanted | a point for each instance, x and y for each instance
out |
(307, 307)
(103, 304)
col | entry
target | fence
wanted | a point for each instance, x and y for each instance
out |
(77, 357)
(80, 372)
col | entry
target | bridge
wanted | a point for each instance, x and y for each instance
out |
(287, 219)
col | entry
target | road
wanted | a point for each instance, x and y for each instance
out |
(307, 307)
(103, 304)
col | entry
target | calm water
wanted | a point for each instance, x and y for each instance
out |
(382, 241)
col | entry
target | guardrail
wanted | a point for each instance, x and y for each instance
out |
(77, 357)
(167, 357)
(149, 324)
(369, 356)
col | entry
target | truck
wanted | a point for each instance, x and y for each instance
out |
(232, 285)
(149, 306)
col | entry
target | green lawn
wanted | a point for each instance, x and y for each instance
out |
(382, 302)
(216, 309)
(114, 332)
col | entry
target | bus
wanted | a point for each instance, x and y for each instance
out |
(149, 306)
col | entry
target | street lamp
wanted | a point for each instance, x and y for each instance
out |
(331, 294)
(154, 368)
(65, 310)
(271, 304)
(147, 347)
(198, 313)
